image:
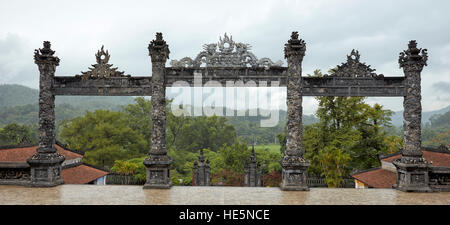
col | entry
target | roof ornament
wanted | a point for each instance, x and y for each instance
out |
(102, 69)
(225, 53)
(354, 68)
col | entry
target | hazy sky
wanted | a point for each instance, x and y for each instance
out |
(331, 29)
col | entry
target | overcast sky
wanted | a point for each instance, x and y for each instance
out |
(331, 29)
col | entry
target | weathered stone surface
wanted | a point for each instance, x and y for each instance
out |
(46, 163)
(15, 173)
(201, 171)
(114, 86)
(412, 168)
(158, 162)
(293, 163)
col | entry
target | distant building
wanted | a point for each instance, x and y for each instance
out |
(14, 168)
(385, 176)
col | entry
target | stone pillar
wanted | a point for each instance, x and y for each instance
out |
(157, 163)
(201, 171)
(293, 164)
(45, 164)
(412, 168)
(252, 171)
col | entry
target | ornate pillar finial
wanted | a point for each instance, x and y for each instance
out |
(201, 158)
(158, 49)
(411, 59)
(295, 47)
(44, 56)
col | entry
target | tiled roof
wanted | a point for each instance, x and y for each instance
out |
(21, 154)
(377, 178)
(438, 158)
(382, 178)
(81, 174)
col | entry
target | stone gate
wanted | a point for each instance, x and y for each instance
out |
(231, 61)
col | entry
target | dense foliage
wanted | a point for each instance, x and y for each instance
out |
(14, 134)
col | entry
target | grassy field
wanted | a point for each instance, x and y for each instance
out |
(269, 147)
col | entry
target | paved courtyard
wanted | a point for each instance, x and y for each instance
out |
(136, 195)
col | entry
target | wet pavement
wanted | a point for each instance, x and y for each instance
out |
(182, 195)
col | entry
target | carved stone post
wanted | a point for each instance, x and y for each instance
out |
(412, 168)
(157, 162)
(201, 171)
(45, 164)
(252, 171)
(293, 164)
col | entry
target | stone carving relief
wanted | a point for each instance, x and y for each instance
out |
(41, 173)
(295, 178)
(102, 69)
(157, 175)
(354, 68)
(10, 173)
(225, 53)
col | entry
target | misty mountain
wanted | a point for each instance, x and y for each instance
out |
(397, 117)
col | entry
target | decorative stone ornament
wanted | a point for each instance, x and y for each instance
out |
(102, 69)
(412, 168)
(158, 49)
(45, 164)
(252, 171)
(201, 171)
(226, 53)
(293, 164)
(157, 163)
(354, 68)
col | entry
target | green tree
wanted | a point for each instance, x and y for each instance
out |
(13, 134)
(104, 136)
(139, 117)
(349, 136)
(195, 133)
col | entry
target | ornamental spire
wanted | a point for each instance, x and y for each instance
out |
(102, 70)
(158, 49)
(295, 46)
(45, 55)
(412, 56)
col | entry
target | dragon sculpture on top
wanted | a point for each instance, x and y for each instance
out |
(225, 53)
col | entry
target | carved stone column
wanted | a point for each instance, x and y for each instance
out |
(201, 171)
(293, 164)
(412, 168)
(157, 162)
(46, 163)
